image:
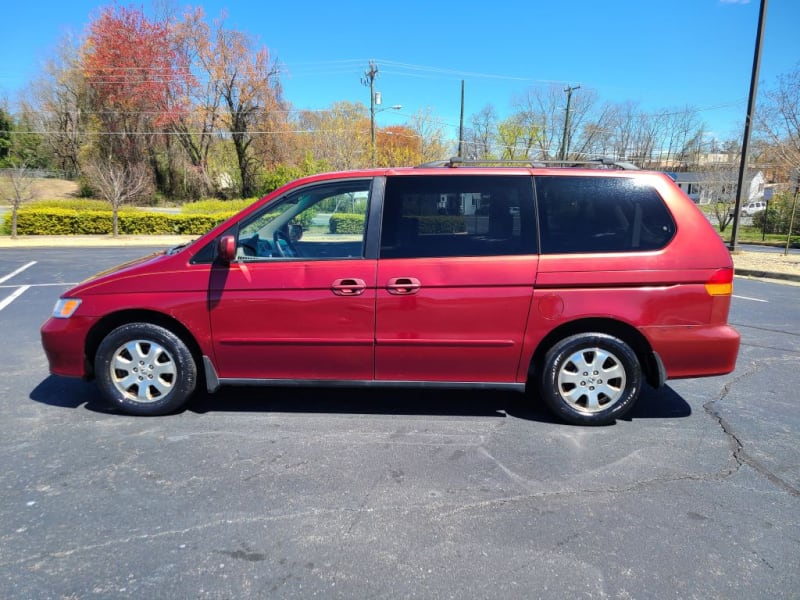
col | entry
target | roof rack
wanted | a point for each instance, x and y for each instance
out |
(597, 163)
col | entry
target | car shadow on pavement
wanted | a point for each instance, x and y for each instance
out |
(663, 403)
(345, 400)
(659, 403)
(63, 392)
(68, 392)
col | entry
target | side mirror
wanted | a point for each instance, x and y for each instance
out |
(226, 250)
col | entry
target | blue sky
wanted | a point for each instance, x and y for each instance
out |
(660, 54)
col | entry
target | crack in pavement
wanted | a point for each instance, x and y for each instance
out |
(443, 509)
(738, 452)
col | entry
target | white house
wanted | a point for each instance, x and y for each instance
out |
(713, 186)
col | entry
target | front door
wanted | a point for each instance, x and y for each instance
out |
(298, 303)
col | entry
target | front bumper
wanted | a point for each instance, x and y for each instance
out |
(64, 343)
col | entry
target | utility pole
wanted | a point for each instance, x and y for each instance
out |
(461, 125)
(565, 137)
(751, 107)
(369, 81)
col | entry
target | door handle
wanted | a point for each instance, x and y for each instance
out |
(349, 287)
(402, 286)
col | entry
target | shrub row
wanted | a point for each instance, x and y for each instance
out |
(442, 224)
(346, 223)
(778, 216)
(72, 203)
(213, 206)
(60, 221)
(350, 223)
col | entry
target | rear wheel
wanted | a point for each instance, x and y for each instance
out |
(591, 378)
(145, 369)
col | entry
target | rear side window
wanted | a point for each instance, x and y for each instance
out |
(454, 215)
(601, 214)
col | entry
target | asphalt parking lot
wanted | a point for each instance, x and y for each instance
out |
(287, 493)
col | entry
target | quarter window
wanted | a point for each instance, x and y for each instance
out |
(601, 214)
(436, 216)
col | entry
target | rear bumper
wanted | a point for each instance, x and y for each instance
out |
(695, 351)
(64, 341)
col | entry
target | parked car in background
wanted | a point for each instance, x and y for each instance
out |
(577, 285)
(749, 209)
(752, 208)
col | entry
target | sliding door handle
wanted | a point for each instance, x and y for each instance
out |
(403, 286)
(349, 287)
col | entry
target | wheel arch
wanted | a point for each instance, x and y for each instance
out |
(651, 368)
(111, 321)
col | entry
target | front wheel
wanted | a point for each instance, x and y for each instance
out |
(591, 379)
(145, 369)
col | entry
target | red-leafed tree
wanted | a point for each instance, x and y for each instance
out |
(131, 63)
(137, 82)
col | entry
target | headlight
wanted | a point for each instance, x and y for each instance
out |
(66, 307)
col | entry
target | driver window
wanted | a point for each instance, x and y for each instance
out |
(316, 222)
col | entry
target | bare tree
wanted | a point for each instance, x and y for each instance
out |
(119, 183)
(595, 137)
(195, 129)
(19, 189)
(60, 101)
(620, 125)
(430, 131)
(680, 127)
(720, 184)
(779, 119)
(479, 139)
(248, 84)
(544, 111)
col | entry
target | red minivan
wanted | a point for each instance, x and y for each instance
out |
(577, 284)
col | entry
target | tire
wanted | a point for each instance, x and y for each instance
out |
(591, 379)
(161, 382)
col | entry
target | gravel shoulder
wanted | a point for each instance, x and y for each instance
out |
(754, 263)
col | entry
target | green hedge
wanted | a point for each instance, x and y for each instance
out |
(71, 203)
(346, 223)
(442, 224)
(60, 221)
(779, 215)
(213, 206)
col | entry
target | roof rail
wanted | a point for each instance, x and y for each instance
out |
(434, 163)
(603, 162)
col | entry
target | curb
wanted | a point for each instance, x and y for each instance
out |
(766, 275)
(94, 241)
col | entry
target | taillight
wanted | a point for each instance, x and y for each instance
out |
(720, 283)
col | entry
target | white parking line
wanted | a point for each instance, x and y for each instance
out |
(14, 296)
(34, 285)
(17, 272)
(751, 299)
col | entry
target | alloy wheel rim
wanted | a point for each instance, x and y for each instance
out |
(143, 371)
(591, 380)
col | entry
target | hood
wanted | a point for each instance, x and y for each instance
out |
(126, 268)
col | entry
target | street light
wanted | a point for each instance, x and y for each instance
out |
(376, 99)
